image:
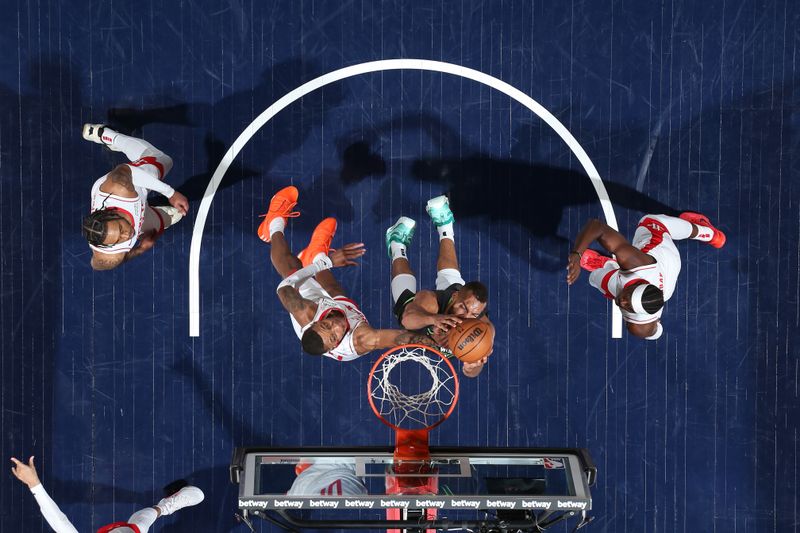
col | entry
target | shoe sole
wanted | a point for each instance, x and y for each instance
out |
(263, 228)
(302, 255)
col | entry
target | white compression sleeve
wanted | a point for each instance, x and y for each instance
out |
(146, 180)
(57, 520)
(321, 262)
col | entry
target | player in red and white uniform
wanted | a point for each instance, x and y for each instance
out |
(183, 496)
(120, 216)
(643, 274)
(325, 320)
(326, 479)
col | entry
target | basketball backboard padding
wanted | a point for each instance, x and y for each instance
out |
(544, 484)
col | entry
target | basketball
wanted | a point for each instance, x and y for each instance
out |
(471, 340)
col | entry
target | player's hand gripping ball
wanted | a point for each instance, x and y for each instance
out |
(471, 340)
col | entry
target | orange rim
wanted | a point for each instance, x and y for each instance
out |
(429, 349)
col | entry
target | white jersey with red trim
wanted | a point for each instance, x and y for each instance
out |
(135, 207)
(311, 290)
(652, 238)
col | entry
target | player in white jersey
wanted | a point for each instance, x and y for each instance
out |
(120, 216)
(325, 320)
(643, 274)
(326, 479)
(180, 495)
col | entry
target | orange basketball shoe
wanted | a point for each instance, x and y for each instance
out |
(717, 239)
(320, 241)
(591, 260)
(280, 206)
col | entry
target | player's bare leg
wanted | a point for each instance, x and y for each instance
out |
(272, 228)
(282, 257)
(320, 243)
(447, 255)
(439, 210)
(398, 238)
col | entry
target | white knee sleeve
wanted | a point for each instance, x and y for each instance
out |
(401, 283)
(143, 519)
(678, 228)
(448, 276)
(135, 149)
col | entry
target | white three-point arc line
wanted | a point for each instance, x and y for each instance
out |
(364, 68)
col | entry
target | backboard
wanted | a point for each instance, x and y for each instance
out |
(492, 489)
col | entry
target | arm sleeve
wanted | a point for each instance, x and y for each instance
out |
(322, 262)
(57, 520)
(144, 179)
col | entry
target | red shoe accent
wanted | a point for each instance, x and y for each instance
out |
(320, 241)
(118, 525)
(591, 260)
(280, 206)
(718, 239)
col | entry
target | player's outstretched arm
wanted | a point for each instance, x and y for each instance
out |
(596, 230)
(367, 338)
(124, 179)
(471, 370)
(421, 313)
(27, 474)
(347, 254)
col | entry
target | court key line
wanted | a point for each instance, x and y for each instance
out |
(365, 68)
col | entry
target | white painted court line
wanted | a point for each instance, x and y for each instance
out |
(364, 68)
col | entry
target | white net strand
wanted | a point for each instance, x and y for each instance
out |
(424, 408)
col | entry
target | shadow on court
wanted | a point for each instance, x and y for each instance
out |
(36, 120)
(484, 188)
(215, 480)
(282, 135)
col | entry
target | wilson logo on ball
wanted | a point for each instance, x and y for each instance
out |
(470, 338)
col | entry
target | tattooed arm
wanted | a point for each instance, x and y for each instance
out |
(366, 338)
(301, 309)
(119, 182)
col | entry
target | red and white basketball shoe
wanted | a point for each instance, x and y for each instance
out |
(717, 239)
(280, 206)
(591, 260)
(320, 241)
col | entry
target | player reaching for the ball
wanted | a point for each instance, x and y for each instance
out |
(434, 312)
(325, 320)
(643, 274)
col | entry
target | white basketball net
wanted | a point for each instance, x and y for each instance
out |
(413, 411)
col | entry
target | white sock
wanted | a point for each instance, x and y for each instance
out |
(398, 250)
(446, 232)
(704, 233)
(277, 225)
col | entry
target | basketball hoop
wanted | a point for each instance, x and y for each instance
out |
(411, 406)
(426, 397)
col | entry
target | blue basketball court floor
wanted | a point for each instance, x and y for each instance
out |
(678, 105)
